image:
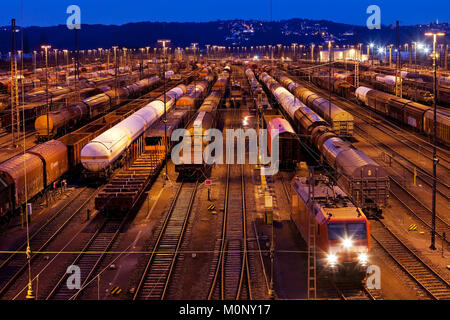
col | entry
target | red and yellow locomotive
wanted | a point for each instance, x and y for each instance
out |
(323, 213)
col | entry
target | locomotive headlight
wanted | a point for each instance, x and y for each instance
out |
(363, 258)
(332, 259)
(347, 243)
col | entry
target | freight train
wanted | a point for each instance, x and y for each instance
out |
(107, 151)
(257, 92)
(366, 182)
(413, 114)
(340, 120)
(203, 120)
(180, 114)
(36, 101)
(329, 222)
(58, 122)
(407, 112)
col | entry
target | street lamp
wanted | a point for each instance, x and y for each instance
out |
(194, 47)
(434, 34)
(46, 48)
(164, 43)
(371, 47)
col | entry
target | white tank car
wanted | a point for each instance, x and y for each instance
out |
(102, 151)
(361, 94)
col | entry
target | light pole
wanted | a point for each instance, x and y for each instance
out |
(66, 55)
(329, 76)
(434, 34)
(46, 48)
(194, 47)
(116, 70)
(56, 64)
(164, 43)
(415, 55)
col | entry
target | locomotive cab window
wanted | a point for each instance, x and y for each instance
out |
(357, 230)
(344, 230)
(336, 231)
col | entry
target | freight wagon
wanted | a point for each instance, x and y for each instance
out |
(413, 114)
(29, 174)
(288, 142)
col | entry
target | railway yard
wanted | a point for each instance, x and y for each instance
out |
(98, 203)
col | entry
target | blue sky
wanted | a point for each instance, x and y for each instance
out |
(47, 13)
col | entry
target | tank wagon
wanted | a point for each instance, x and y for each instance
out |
(340, 120)
(71, 116)
(100, 156)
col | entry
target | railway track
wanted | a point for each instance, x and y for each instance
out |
(418, 209)
(425, 276)
(89, 259)
(231, 275)
(16, 263)
(354, 291)
(231, 278)
(7, 144)
(442, 186)
(156, 276)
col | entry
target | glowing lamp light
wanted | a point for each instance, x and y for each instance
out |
(380, 50)
(363, 258)
(332, 259)
(371, 45)
(347, 243)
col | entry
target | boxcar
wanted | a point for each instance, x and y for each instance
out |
(288, 144)
(54, 157)
(26, 185)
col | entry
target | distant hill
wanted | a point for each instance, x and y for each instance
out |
(228, 33)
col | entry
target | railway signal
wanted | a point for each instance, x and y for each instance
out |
(208, 183)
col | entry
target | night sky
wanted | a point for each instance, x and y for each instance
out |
(47, 13)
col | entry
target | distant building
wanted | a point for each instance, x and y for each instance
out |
(341, 54)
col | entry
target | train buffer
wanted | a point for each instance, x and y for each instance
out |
(412, 227)
(116, 291)
(212, 207)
